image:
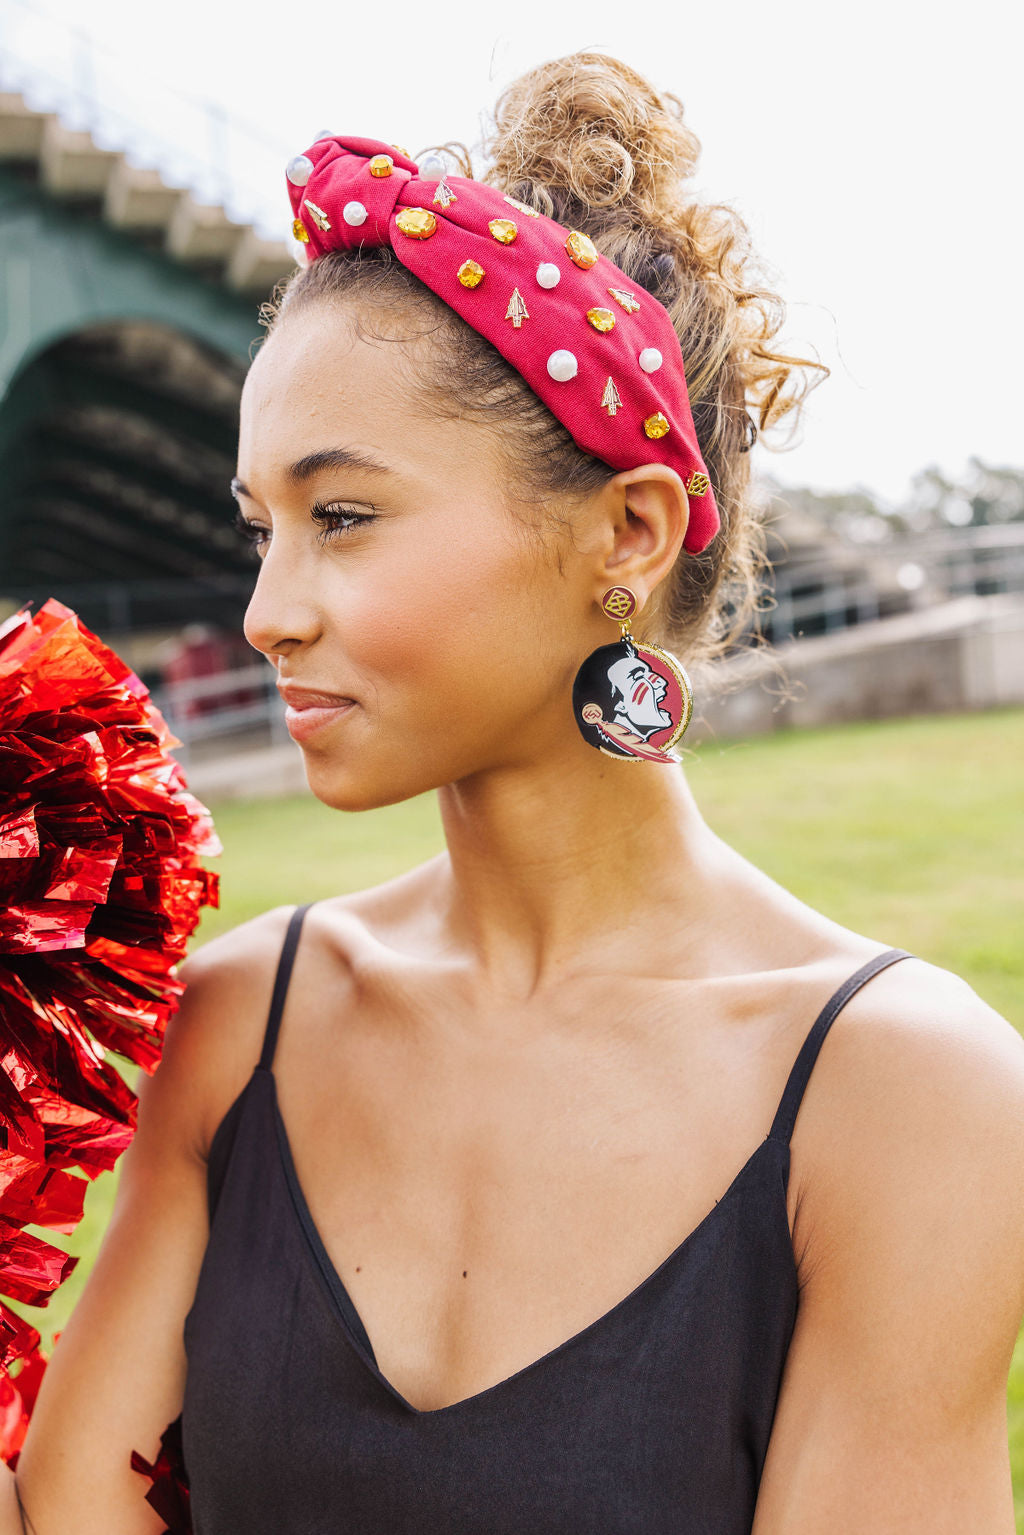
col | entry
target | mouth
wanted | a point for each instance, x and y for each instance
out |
(311, 710)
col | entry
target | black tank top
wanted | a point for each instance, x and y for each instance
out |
(652, 1420)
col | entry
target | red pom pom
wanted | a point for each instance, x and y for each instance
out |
(169, 1490)
(100, 889)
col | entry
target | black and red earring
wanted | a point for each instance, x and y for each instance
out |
(631, 699)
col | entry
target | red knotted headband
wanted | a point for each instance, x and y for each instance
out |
(601, 353)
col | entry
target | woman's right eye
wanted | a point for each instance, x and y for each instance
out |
(254, 533)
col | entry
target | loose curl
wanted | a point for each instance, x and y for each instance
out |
(589, 142)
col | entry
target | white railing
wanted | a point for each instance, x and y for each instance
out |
(222, 704)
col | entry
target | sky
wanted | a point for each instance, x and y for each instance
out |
(875, 154)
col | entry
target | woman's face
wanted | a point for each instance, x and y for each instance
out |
(394, 574)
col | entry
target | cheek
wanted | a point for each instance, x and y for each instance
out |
(444, 615)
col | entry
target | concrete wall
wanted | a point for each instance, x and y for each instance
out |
(959, 655)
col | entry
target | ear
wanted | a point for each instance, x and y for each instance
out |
(648, 511)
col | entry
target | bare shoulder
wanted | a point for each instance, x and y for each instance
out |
(909, 1239)
(226, 959)
(920, 1086)
(917, 1052)
(213, 1041)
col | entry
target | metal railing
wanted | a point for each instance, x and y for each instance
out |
(243, 701)
(819, 595)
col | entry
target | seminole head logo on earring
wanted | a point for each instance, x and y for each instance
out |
(631, 699)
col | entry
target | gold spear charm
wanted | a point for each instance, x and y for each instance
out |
(517, 311)
(611, 400)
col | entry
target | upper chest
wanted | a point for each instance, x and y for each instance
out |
(488, 1185)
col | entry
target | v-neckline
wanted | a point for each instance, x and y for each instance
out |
(343, 1300)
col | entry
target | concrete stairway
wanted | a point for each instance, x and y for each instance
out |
(73, 168)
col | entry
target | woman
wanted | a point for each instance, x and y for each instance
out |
(451, 1126)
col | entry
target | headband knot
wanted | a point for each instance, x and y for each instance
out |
(597, 349)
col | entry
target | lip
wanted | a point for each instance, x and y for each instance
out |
(311, 710)
(298, 697)
(302, 724)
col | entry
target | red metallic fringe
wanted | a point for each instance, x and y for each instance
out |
(100, 890)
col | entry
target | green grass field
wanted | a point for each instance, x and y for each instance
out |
(908, 831)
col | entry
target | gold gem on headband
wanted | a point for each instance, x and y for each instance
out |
(601, 319)
(471, 274)
(503, 230)
(417, 223)
(581, 249)
(656, 425)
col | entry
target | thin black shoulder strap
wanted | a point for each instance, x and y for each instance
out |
(785, 1118)
(281, 979)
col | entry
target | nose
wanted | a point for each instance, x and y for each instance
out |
(282, 612)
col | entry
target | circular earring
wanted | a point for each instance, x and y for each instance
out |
(631, 699)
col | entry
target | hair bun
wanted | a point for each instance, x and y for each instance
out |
(593, 130)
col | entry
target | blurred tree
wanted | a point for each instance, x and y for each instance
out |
(982, 494)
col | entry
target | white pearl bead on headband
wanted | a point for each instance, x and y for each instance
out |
(562, 366)
(299, 170)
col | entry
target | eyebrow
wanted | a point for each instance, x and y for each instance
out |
(313, 463)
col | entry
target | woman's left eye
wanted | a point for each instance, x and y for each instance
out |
(336, 518)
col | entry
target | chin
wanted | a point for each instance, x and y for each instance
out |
(342, 790)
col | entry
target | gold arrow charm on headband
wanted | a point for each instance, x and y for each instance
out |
(318, 215)
(517, 311)
(611, 400)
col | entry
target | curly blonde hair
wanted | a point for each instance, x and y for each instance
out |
(591, 143)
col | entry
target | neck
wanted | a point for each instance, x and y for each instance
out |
(572, 867)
